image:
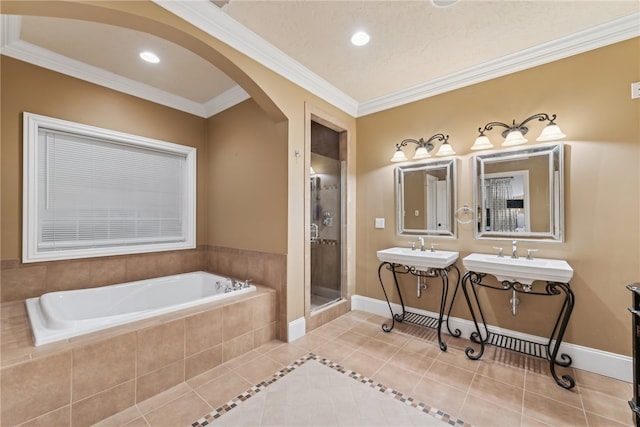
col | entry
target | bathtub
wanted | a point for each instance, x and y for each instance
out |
(57, 316)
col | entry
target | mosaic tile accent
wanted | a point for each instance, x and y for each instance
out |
(434, 412)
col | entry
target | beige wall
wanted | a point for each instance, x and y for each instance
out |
(33, 89)
(247, 180)
(589, 92)
(590, 95)
(286, 104)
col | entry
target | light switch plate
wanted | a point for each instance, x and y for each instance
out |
(379, 222)
(635, 90)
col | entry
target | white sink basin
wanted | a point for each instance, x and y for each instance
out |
(520, 270)
(421, 260)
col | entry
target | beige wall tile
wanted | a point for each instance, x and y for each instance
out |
(160, 345)
(264, 335)
(169, 263)
(240, 266)
(264, 310)
(102, 405)
(236, 319)
(203, 361)
(203, 331)
(275, 271)
(208, 376)
(58, 418)
(108, 271)
(34, 388)
(140, 267)
(23, 282)
(237, 346)
(102, 365)
(65, 275)
(160, 380)
(163, 398)
(193, 259)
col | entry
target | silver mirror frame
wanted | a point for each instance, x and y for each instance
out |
(555, 154)
(448, 165)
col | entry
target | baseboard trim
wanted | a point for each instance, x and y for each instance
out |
(296, 329)
(588, 359)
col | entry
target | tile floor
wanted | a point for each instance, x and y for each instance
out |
(502, 389)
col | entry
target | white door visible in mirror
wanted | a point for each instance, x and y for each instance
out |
(425, 199)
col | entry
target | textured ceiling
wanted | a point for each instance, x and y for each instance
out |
(412, 42)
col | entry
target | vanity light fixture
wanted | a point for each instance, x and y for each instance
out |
(514, 133)
(424, 148)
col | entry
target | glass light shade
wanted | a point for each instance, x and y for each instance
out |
(482, 143)
(445, 150)
(515, 137)
(421, 153)
(551, 132)
(399, 156)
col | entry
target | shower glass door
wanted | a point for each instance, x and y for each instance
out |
(326, 217)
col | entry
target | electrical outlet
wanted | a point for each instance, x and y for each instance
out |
(635, 90)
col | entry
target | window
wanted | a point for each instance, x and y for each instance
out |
(94, 192)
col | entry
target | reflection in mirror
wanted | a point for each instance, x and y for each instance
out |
(425, 199)
(519, 194)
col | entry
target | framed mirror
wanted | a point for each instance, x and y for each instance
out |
(519, 194)
(425, 199)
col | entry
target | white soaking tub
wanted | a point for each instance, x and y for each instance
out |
(56, 316)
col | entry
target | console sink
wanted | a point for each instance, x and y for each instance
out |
(421, 260)
(521, 270)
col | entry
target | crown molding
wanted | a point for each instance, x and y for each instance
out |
(593, 38)
(225, 100)
(13, 47)
(209, 18)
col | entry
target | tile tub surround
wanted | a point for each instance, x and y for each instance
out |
(86, 379)
(267, 269)
(21, 281)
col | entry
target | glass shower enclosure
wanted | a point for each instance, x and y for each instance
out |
(326, 217)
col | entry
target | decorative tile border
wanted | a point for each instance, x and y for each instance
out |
(217, 413)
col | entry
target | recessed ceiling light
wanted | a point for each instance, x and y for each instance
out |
(360, 38)
(149, 57)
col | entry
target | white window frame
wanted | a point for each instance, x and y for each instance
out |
(32, 124)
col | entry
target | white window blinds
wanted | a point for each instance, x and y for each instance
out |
(99, 196)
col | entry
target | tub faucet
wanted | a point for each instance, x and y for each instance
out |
(421, 240)
(514, 249)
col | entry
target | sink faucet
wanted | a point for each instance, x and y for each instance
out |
(421, 240)
(514, 249)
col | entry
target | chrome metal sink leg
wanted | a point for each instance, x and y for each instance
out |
(514, 301)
